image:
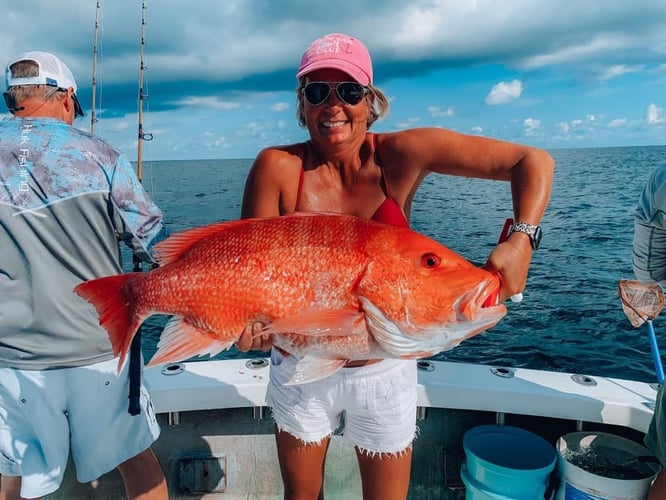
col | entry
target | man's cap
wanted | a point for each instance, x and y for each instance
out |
(338, 51)
(52, 72)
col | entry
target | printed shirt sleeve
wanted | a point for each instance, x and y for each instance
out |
(651, 207)
(649, 243)
(138, 221)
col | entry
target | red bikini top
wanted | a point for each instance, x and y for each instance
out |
(387, 213)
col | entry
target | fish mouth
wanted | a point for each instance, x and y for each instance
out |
(409, 341)
(485, 295)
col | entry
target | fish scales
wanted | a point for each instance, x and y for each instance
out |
(329, 286)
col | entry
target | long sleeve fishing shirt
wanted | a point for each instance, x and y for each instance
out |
(67, 199)
(649, 245)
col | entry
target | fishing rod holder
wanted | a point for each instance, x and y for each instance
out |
(258, 412)
(173, 418)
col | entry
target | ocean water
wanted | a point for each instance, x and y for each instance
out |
(570, 320)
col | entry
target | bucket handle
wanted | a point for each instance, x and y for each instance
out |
(553, 484)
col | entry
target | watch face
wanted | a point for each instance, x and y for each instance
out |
(536, 238)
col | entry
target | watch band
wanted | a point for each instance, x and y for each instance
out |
(531, 230)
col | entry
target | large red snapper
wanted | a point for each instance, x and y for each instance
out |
(330, 287)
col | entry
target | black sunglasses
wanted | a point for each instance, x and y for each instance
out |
(78, 110)
(350, 93)
(77, 106)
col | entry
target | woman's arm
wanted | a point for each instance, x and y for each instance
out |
(410, 155)
(271, 186)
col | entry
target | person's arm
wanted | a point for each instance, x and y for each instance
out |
(417, 152)
(269, 187)
(264, 196)
(649, 242)
(138, 221)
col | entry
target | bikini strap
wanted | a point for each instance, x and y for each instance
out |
(378, 161)
(375, 146)
(300, 178)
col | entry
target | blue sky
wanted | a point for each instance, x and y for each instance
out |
(220, 74)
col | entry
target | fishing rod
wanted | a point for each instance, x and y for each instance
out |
(135, 349)
(142, 136)
(93, 118)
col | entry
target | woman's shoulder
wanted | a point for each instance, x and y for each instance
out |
(284, 154)
(277, 164)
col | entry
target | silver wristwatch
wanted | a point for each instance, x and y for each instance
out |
(534, 232)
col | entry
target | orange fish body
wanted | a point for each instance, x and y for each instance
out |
(328, 286)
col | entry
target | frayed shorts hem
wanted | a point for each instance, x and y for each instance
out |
(362, 450)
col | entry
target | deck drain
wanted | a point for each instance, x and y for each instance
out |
(173, 369)
(502, 372)
(255, 364)
(584, 380)
(426, 366)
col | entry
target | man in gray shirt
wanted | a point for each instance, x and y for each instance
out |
(66, 200)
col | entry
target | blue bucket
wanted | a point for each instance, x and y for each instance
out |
(504, 462)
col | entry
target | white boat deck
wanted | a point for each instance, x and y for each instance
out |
(205, 385)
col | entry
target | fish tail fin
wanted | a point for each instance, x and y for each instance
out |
(117, 312)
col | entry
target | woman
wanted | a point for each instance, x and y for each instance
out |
(344, 168)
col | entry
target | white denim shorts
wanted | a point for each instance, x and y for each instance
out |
(40, 409)
(378, 402)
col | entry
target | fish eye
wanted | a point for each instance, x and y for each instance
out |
(430, 260)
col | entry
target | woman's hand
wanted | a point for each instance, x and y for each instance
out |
(252, 339)
(511, 261)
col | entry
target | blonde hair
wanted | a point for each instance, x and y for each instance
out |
(377, 103)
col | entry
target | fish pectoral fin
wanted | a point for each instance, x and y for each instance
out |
(181, 340)
(311, 369)
(334, 322)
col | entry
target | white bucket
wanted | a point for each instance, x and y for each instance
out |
(601, 466)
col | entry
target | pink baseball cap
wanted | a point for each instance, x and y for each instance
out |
(338, 51)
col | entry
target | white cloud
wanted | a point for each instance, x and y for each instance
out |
(619, 70)
(280, 106)
(207, 102)
(531, 125)
(437, 112)
(617, 123)
(504, 92)
(655, 114)
(410, 122)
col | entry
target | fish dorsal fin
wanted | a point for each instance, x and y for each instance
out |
(181, 340)
(176, 245)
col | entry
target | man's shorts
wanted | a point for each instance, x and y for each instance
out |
(39, 410)
(378, 401)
